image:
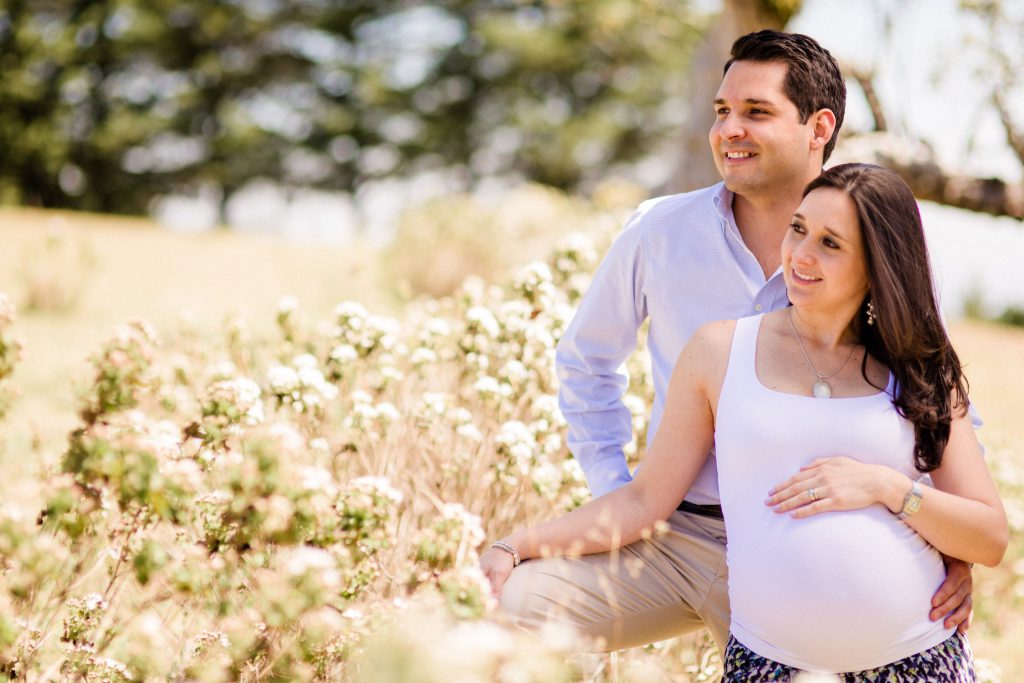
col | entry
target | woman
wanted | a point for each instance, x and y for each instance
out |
(829, 559)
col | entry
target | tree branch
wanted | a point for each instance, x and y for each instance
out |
(1013, 136)
(916, 164)
(866, 82)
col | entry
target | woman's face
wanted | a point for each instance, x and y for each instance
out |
(823, 253)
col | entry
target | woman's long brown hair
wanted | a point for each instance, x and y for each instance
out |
(908, 335)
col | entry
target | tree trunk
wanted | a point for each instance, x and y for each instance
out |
(695, 166)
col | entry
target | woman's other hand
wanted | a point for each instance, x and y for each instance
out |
(839, 483)
(497, 566)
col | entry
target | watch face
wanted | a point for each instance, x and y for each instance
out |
(911, 505)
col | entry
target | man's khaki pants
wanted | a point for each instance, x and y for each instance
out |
(647, 591)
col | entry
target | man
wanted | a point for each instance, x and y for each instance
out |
(682, 261)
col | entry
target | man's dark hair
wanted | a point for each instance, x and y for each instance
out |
(813, 79)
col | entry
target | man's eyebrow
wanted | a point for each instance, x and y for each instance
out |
(749, 100)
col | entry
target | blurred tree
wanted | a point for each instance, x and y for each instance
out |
(108, 104)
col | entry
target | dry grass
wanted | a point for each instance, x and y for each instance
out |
(994, 356)
(114, 270)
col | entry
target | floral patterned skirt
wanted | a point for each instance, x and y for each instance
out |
(948, 662)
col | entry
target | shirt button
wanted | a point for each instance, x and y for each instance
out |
(758, 308)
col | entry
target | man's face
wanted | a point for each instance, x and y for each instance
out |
(757, 139)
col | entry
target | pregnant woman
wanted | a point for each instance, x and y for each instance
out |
(831, 554)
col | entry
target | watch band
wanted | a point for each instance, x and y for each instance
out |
(911, 502)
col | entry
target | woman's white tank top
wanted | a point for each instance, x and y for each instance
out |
(839, 591)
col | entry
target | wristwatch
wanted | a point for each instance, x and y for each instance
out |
(911, 502)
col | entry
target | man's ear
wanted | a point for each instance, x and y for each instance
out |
(823, 127)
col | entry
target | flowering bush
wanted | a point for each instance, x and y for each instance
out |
(309, 507)
(281, 493)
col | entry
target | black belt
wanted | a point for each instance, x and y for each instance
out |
(712, 511)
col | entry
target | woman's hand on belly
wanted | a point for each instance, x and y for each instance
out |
(838, 483)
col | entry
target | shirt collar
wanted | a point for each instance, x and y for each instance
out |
(722, 200)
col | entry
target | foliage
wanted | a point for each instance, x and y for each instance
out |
(437, 246)
(312, 506)
(1012, 316)
(276, 523)
(106, 104)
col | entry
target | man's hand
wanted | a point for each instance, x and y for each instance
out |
(954, 596)
(497, 566)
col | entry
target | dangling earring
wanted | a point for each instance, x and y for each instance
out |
(871, 312)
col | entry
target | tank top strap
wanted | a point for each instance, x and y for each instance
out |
(741, 370)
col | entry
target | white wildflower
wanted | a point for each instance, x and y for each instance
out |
(304, 560)
(318, 479)
(286, 305)
(184, 472)
(387, 412)
(515, 372)
(391, 374)
(379, 486)
(277, 513)
(469, 432)
(6, 310)
(163, 439)
(222, 369)
(472, 528)
(518, 442)
(282, 379)
(423, 356)
(350, 310)
(489, 386)
(344, 353)
(216, 498)
(94, 602)
(546, 478)
(535, 272)
(434, 402)
(437, 327)
(361, 397)
(482, 318)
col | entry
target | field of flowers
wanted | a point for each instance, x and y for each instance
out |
(310, 505)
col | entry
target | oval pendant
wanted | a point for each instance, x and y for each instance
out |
(821, 389)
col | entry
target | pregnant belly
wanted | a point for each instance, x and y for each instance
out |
(833, 591)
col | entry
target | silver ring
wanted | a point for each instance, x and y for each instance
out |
(812, 494)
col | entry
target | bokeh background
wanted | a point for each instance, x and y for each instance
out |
(232, 170)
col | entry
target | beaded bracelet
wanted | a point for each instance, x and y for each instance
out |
(501, 545)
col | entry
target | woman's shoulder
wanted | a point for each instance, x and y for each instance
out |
(711, 341)
(715, 333)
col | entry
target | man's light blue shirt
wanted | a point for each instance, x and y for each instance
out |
(681, 262)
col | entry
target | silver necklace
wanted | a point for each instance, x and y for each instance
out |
(821, 388)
